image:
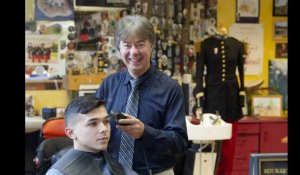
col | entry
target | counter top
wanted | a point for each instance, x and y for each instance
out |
(33, 123)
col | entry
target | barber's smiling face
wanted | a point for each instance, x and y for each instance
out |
(136, 55)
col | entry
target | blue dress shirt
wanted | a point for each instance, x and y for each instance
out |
(161, 109)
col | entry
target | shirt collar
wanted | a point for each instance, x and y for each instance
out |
(145, 78)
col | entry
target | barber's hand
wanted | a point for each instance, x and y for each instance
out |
(132, 126)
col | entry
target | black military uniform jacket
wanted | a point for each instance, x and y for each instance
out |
(221, 55)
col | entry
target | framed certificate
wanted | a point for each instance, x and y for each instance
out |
(268, 163)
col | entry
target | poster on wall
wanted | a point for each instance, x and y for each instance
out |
(58, 10)
(253, 35)
(278, 76)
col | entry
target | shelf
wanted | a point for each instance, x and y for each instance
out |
(43, 84)
(72, 82)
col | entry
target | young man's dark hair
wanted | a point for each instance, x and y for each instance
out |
(82, 105)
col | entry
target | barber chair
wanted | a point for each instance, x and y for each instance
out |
(53, 144)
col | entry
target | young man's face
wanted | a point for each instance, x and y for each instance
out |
(136, 55)
(91, 132)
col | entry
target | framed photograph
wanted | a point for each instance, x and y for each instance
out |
(268, 163)
(280, 29)
(280, 7)
(266, 105)
(281, 50)
(42, 49)
(247, 11)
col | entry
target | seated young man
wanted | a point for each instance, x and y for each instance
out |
(87, 124)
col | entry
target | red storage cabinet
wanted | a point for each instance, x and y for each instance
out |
(272, 133)
(262, 135)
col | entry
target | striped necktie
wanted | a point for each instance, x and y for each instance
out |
(127, 142)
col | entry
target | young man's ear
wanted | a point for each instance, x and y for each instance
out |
(70, 133)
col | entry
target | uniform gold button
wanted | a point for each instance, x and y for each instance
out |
(223, 79)
(223, 75)
(223, 56)
(223, 51)
(223, 65)
(222, 42)
(222, 47)
(223, 61)
(223, 70)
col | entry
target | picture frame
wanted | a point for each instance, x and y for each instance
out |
(266, 105)
(280, 7)
(36, 45)
(247, 11)
(268, 163)
(281, 50)
(280, 29)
